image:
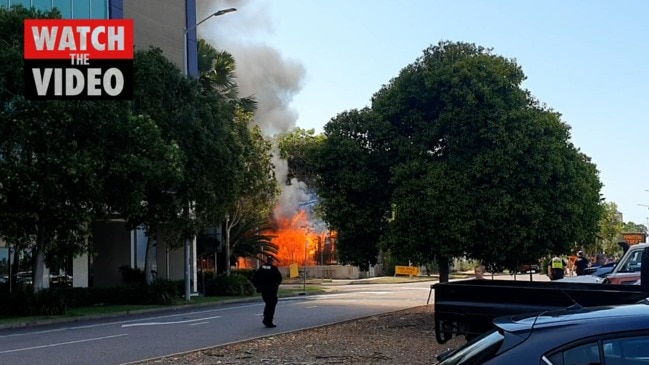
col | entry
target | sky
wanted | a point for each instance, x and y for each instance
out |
(308, 60)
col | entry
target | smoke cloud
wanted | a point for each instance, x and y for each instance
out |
(262, 72)
(293, 194)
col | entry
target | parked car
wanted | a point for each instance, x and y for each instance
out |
(600, 271)
(628, 269)
(596, 335)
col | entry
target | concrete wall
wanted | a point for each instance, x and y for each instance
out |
(111, 243)
(176, 257)
(160, 24)
(327, 272)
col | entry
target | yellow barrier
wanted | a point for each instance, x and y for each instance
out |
(406, 270)
(292, 271)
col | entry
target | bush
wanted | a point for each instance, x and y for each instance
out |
(162, 292)
(233, 285)
(247, 273)
(131, 275)
(48, 302)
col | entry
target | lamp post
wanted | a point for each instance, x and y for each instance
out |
(186, 73)
(306, 244)
(185, 53)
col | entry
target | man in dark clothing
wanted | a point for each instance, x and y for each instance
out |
(581, 263)
(267, 279)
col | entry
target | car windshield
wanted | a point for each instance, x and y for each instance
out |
(476, 351)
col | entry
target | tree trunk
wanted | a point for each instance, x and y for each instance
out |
(39, 259)
(228, 227)
(442, 263)
(151, 256)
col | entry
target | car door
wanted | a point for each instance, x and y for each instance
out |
(619, 349)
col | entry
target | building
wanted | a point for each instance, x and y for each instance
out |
(160, 24)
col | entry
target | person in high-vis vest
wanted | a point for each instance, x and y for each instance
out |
(558, 267)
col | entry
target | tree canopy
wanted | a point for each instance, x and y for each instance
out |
(454, 158)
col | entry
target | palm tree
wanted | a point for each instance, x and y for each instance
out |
(251, 238)
(217, 72)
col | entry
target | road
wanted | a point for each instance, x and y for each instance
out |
(137, 337)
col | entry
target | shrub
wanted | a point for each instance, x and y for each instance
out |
(163, 292)
(47, 302)
(131, 275)
(233, 285)
(247, 273)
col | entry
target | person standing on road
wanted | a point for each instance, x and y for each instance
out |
(558, 268)
(267, 280)
(581, 264)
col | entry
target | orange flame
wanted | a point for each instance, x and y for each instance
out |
(297, 244)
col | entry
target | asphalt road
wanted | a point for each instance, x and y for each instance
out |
(133, 338)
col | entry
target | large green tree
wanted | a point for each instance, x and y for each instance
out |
(256, 186)
(483, 169)
(299, 148)
(353, 174)
(610, 229)
(201, 124)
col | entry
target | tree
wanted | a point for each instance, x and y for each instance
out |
(482, 167)
(217, 72)
(256, 184)
(253, 238)
(258, 191)
(353, 184)
(299, 148)
(610, 228)
(633, 227)
(201, 124)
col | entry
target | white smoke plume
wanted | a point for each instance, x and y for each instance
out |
(293, 194)
(262, 72)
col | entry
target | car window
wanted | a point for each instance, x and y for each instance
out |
(476, 351)
(633, 262)
(626, 350)
(617, 351)
(587, 354)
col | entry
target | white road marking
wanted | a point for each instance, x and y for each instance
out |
(313, 306)
(62, 343)
(198, 324)
(166, 323)
(128, 321)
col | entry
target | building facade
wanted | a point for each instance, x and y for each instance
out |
(158, 24)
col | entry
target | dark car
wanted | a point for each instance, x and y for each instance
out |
(600, 271)
(581, 336)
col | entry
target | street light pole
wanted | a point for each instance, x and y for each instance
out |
(186, 73)
(306, 243)
(187, 30)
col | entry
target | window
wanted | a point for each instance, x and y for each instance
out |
(44, 5)
(626, 350)
(65, 7)
(633, 262)
(587, 354)
(81, 9)
(25, 3)
(99, 9)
